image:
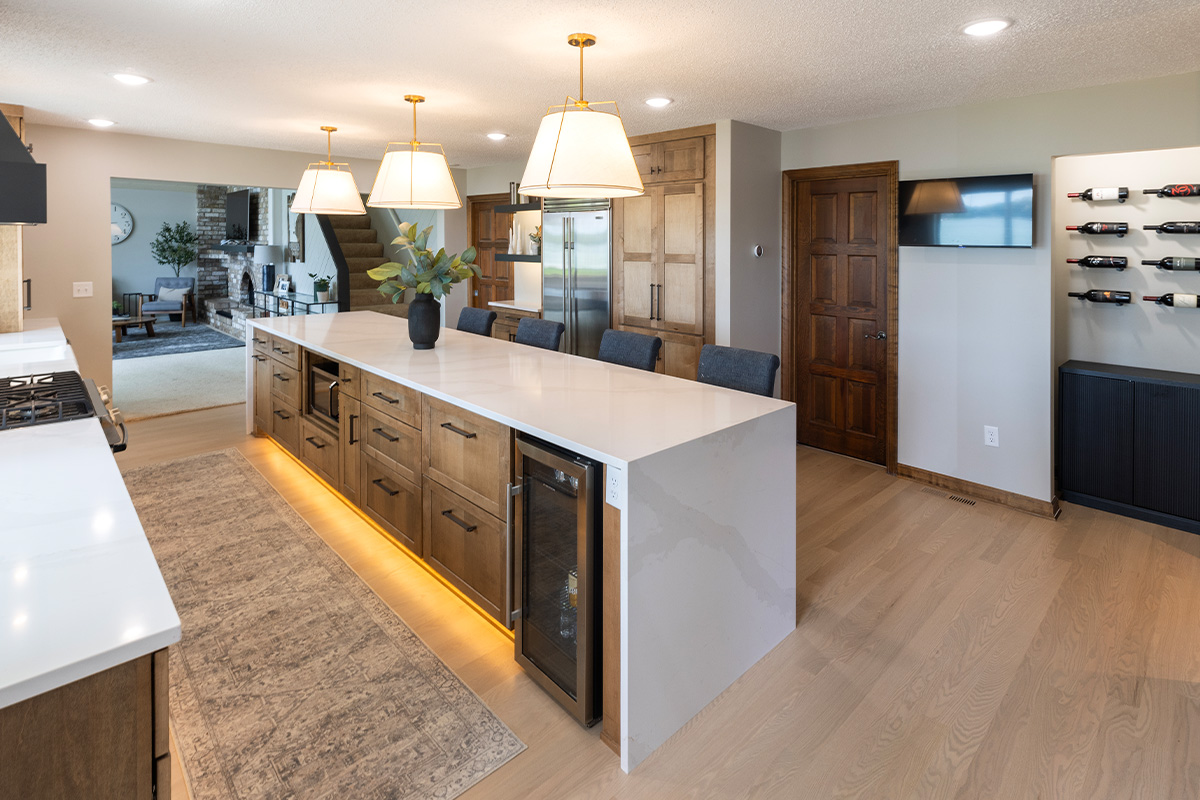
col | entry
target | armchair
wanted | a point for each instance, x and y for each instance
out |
(181, 293)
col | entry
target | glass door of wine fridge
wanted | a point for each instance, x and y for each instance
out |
(557, 583)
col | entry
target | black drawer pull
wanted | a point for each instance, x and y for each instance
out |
(385, 398)
(314, 442)
(466, 434)
(449, 514)
(352, 439)
(282, 415)
(391, 492)
(346, 379)
(279, 377)
(382, 433)
(257, 357)
(277, 349)
(257, 340)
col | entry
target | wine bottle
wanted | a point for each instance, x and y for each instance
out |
(1118, 193)
(1093, 228)
(1175, 299)
(1176, 263)
(1118, 263)
(1103, 296)
(1174, 227)
(1176, 190)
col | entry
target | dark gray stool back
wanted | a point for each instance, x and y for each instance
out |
(629, 349)
(539, 333)
(735, 368)
(476, 320)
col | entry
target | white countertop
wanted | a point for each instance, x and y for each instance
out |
(80, 591)
(36, 333)
(613, 414)
(531, 308)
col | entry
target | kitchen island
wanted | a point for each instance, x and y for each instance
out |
(703, 479)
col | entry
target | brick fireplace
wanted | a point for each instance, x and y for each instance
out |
(224, 279)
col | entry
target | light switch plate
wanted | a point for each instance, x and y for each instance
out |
(82, 289)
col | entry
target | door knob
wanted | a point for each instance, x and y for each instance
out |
(878, 335)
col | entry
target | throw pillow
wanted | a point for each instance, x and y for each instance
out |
(166, 295)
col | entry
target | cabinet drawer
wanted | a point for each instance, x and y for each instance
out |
(468, 454)
(466, 545)
(504, 331)
(285, 383)
(285, 351)
(261, 342)
(285, 423)
(348, 379)
(319, 450)
(392, 502)
(392, 399)
(392, 442)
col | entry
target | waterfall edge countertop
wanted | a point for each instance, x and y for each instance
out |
(614, 414)
(80, 590)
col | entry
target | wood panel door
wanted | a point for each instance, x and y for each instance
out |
(842, 254)
(681, 273)
(489, 235)
(635, 259)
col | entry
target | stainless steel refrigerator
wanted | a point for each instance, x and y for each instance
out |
(576, 271)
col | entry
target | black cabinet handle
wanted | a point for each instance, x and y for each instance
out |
(385, 398)
(384, 434)
(314, 442)
(257, 340)
(391, 492)
(28, 294)
(282, 415)
(652, 301)
(449, 514)
(345, 379)
(257, 357)
(659, 302)
(277, 349)
(459, 431)
(279, 377)
(352, 418)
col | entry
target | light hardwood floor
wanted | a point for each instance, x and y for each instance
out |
(942, 651)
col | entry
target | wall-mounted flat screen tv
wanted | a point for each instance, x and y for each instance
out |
(238, 227)
(984, 211)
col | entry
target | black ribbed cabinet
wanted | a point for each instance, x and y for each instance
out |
(1129, 442)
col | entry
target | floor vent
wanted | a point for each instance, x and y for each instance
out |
(966, 501)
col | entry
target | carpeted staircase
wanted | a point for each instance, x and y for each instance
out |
(362, 251)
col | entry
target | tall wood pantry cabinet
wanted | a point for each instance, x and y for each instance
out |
(664, 247)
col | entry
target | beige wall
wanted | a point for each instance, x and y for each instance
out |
(75, 245)
(977, 326)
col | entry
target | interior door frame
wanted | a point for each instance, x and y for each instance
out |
(791, 282)
(473, 200)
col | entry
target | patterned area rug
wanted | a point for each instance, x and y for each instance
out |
(293, 679)
(171, 337)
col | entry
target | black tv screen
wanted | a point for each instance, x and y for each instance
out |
(237, 216)
(985, 211)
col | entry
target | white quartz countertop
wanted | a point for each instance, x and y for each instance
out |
(613, 414)
(515, 306)
(36, 333)
(80, 591)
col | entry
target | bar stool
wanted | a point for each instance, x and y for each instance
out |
(629, 349)
(541, 333)
(735, 368)
(476, 320)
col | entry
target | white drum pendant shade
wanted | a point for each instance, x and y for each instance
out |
(581, 153)
(414, 179)
(327, 191)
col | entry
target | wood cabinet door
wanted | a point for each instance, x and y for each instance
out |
(351, 423)
(680, 160)
(634, 256)
(644, 157)
(842, 254)
(680, 296)
(680, 354)
(262, 392)
(466, 546)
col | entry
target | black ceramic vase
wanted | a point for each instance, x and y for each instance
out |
(424, 321)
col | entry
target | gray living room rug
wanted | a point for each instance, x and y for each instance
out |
(293, 679)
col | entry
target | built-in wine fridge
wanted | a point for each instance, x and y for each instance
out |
(556, 574)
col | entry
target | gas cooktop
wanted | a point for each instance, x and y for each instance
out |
(40, 399)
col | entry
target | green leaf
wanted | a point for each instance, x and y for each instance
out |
(468, 255)
(385, 271)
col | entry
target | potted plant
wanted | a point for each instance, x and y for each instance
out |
(535, 241)
(175, 247)
(427, 273)
(320, 286)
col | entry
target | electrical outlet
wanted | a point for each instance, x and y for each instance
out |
(614, 486)
(991, 435)
(82, 289)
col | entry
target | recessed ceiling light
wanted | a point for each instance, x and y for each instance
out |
(497, 136)
(130, 79)
(986, 27)
(659, 102)
(102, 123)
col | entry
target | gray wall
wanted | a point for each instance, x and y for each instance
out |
(977, 326)
(151, 204)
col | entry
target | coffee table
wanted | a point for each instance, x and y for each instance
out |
(123, 325)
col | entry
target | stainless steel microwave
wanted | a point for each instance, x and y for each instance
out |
(323, 380)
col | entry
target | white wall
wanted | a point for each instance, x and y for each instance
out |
(491, 180)
(133, 266)
(976, 326)
(75, 244)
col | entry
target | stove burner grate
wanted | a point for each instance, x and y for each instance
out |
(39, 399)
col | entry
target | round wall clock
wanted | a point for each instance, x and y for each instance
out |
(122, 223)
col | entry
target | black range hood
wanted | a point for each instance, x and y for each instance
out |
(22, 181)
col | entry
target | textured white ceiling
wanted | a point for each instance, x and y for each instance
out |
(268, 73)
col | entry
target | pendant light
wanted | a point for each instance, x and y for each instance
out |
(414, 178)
(326, 188)
(580, 151)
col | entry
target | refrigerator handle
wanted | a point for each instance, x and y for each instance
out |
(510, 614)
(572, 322)
(566, 237)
